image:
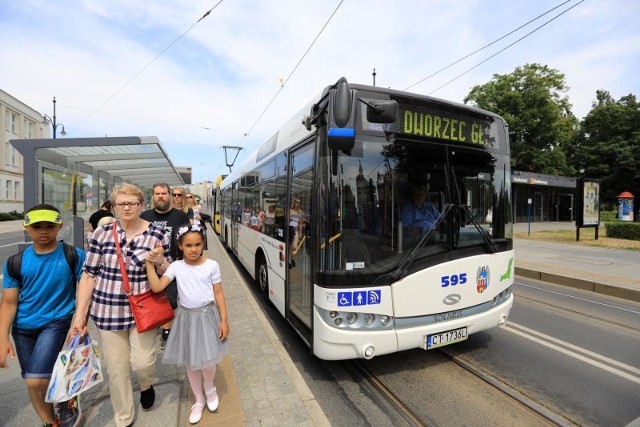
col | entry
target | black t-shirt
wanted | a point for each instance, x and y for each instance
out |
(170, 221)
(97, 216)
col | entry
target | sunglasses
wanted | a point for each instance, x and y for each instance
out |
(189, 197)
(177, 194)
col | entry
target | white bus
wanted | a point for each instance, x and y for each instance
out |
(353, 269)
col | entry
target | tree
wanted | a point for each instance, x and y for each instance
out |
(608, 145)
(541, 124)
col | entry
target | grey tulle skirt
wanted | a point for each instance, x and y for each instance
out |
(194, 341)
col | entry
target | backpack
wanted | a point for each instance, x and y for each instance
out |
(14, 263)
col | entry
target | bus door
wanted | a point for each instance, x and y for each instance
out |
(298, 216)
(236, 212)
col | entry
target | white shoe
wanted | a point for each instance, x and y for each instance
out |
(212, 399)
(196, 413)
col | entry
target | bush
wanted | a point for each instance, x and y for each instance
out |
(608, 216)
(11, 216)
(623, 230)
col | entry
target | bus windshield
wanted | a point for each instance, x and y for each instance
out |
(392, 198)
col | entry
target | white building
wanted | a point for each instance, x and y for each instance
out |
(20, 122)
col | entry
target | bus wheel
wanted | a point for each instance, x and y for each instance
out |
(262, 277)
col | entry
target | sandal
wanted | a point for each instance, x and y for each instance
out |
(212, 399)
(196, 412)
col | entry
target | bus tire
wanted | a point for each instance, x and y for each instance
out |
(262, 276)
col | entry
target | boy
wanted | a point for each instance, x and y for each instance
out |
(38, 309)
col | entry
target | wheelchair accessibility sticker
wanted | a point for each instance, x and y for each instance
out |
(356, 298)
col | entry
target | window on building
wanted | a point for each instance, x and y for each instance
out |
(11, 122)
(7, 189)
(18, 191)
(7, 153)
(29, 129)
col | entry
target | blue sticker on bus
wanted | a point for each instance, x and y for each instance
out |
(375, 296)
(357, 298)
(344, 299)
(360, 298)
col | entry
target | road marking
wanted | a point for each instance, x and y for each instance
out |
(578, 298)
(527, 333)
(11, 244)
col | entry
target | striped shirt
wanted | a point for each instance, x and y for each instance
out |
(110, 308)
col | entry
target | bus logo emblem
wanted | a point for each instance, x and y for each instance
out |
(482, 278)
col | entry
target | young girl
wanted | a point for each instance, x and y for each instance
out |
(198, 338)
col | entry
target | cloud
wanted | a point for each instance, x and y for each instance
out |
(134, 68)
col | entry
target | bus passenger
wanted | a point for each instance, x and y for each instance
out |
(269, 220)
(296, 219)
(417, 212)
(246, 216)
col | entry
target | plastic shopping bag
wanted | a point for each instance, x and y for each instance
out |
(77, 369)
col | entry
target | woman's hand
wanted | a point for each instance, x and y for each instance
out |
(156, 256)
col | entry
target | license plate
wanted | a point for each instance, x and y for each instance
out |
(445, 338)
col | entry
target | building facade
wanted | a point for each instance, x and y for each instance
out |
(19, 121)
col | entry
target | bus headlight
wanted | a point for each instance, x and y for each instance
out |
(354, 321)
(384, 320)
(369, 319)
(352, 318)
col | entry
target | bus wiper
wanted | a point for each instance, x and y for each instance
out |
(492, 246)
(402, 269)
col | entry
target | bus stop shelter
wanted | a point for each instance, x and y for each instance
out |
(77, 174)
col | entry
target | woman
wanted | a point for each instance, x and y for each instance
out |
(179, 202)
(296, 219)
(192, 204)
(101, 288)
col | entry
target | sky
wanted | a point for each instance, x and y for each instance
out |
(234, 76)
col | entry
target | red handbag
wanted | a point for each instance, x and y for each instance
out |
(150, 309)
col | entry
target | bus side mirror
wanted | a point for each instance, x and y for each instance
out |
(382, 111)
(341, 131)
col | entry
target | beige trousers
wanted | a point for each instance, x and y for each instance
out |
(124, 351)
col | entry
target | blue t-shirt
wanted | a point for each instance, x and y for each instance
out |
(47, 292)
(413, 216)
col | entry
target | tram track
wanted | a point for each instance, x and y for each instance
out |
(514, 394)
(413, 418)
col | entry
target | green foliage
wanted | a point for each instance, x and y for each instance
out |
(608, 216)
(541, 124)
(608, 145)
(623, 230)
(11, 216)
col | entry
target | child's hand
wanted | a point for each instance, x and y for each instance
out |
(223, 332)
(156, 255)
(6, 348)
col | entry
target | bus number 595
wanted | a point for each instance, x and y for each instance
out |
(454, 279)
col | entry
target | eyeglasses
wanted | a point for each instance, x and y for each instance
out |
(189, 197)
(127, 204)
(177, 194)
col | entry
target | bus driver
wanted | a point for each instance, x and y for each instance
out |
(417, 212)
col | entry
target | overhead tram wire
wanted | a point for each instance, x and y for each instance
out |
(149, 64)
(505, 48)
(490, 44)
(291, 73)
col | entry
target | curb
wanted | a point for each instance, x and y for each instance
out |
(583, 284)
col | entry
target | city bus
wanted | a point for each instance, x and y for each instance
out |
(351, 272)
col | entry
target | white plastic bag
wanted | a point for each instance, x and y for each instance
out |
(77, 369)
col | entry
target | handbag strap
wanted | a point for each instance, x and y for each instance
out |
(125, 277)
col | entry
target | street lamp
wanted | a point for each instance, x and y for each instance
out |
(46, 120)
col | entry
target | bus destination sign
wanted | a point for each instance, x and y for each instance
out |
(444, 125)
